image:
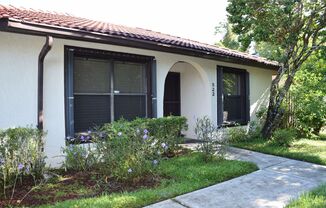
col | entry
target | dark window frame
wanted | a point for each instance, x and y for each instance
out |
(71, 51)
(244, 92)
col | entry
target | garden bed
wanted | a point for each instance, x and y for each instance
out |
(174, 176)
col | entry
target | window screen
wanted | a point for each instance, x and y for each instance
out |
(234, 97)
(129, 106)
(106, 90)
(231, 84)
(129, 77)
(91, 76)
(91, 111)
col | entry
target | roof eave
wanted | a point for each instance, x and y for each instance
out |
(74, 34)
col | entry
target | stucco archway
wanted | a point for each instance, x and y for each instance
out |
(194, 94)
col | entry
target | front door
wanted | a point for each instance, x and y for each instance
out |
(172, 94)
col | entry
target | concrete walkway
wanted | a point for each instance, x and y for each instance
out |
(277, 182)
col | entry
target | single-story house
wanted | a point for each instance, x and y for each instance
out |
(67, 74)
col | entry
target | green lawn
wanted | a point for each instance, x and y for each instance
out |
(303, 149)
(182, 174)
(314, 199)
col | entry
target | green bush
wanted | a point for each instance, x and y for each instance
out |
(283, 137)
(21, 156)
(254, 130)
(237, 134)
(166, 131)
(126, 150)
(210, 141)
(79, 157)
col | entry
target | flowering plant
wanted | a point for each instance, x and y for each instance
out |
(125, 150)
(21, 155)
(79, 157)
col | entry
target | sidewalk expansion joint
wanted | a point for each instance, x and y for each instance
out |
(179, 202)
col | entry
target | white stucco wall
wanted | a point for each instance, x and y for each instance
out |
(193, 100)
(18, 84)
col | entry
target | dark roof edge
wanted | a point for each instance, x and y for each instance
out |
(41, 30)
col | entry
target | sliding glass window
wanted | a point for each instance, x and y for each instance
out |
(106, 89)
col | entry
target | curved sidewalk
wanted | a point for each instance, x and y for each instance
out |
(277, 182)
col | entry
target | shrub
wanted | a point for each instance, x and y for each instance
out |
(254, 130)
(167, 131)
(261, 114)
(211, 142)
(283, 137)
(125, 152)
(22, 156)
(79, 157)
(237, 134)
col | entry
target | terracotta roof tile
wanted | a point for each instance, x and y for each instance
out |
(67, 21)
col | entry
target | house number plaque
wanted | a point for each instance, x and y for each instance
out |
(213, 89)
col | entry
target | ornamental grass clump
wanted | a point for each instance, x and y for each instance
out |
(21, 158)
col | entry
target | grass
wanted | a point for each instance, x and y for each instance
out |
(309, 150)
(182, 174)
(314, 199)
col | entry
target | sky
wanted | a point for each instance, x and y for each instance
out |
(193, 19)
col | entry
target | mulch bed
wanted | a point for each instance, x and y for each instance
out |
(69, 184)
(90, 182)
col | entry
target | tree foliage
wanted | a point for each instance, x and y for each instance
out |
(230, 39)
(308, 94)
(295, 27)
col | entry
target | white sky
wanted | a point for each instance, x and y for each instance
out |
(191, 19)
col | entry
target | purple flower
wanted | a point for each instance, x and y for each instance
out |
(70, 139)
(145, 136)
(20, 166)
(102, 135)
(119, 134)
(88, 138)
(155, 162)
(145, 131)
(89, 131)
(82, 138)
(129, 170)
(27, 170)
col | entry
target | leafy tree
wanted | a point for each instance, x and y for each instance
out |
(297, 27)
(270, 51)
(308, 94)
(230, 39)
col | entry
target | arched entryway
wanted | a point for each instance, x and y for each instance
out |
(186, 93)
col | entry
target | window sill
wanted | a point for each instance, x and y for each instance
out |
(84, 137)
(234, 123)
